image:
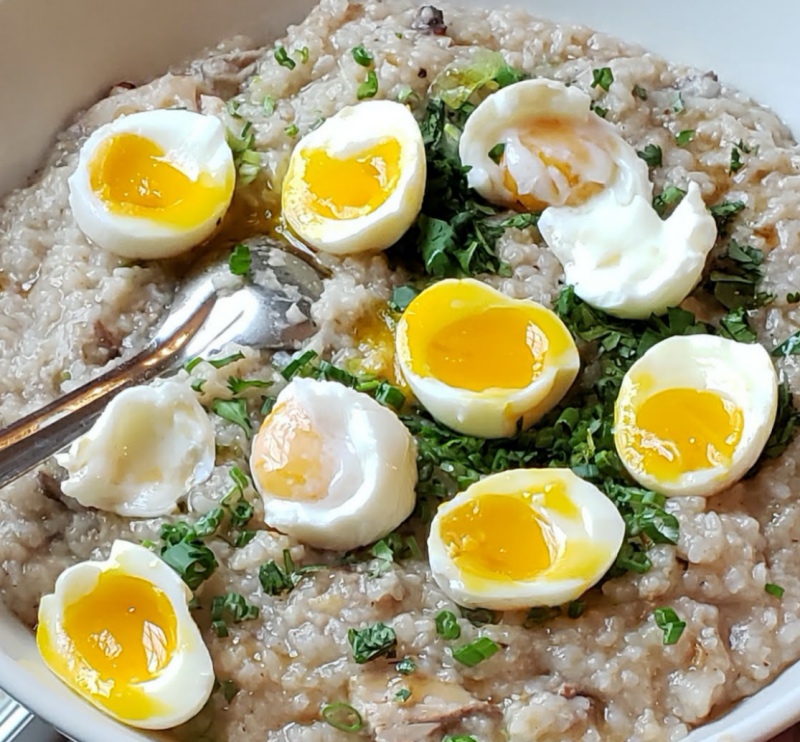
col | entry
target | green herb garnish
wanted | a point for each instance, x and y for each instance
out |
(540, 614)
(447, 625)
(736, 326)
(724, 213)
(459, 738)
(599, 110)
(406, 666)
(669, 622)
(736, 161)
(737, 274)
(276, 580)
(239, 261)
(774, 589)
(268, 104)
(684, 137)
(602, 77)
(233, 607)
(789, 347)
(235, 411)
(362, 56)
(639, 92)
(793, 297)
(678, 104)
(476, 651)
(576, 608)
(377, 640)
(670, 197)
(228, 688)
(496, 152)
(187, 554)
(479, 616)
(402, 695)
(291, 370)
(402, 296)
(368, 88)
(342, 716)
(292, 130)
(303, 54)
(282, 58)
(652, 155)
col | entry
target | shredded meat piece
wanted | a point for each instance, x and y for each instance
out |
(432, 706)
(107, 345)
(429, 20)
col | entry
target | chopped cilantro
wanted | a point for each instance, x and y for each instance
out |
(670, 197)
(496, 152)
(368, 88)
(276, 580)
(736, 276)
(239, 261)
(235, 411)
(787, 422)
(402, 296)
(735, 325)
(238, 385)
(292, 130)
(652, 155)
(403, 695)
(187, 554)
(406, 666)
(362, 56)
(602, 77)
(342, 716)
(476, 651)
(684, 137)
(773, 589)
(447, 625)
(521, 221)
(724, 212)
(377, 640)
(282, 58)
(669, 622)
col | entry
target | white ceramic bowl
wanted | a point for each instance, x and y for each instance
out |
(57, 56)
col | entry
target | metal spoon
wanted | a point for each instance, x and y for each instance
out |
(204, 317)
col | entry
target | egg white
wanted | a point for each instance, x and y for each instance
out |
(494, 412)
(185, 684)
(347, 134)
(740, 372)
(148, 447)
(194, 144)
(616, 251)
(372, 489)
(599, 523)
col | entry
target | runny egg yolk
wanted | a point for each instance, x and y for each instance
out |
(375, 335)
(498, 537)
(121, 634)
(685, 430)
(351, 187)
(463, 336)
(289, 456)
(575, 167)
(134, 178)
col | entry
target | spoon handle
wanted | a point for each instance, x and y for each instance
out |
(28, 442)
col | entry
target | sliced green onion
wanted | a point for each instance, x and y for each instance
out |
(602, 77)
(670, 623)
(342, 716)
(362, 56)
(447, 625)
(476, 651)
(282, 58)
(368, 88)
(774, 589)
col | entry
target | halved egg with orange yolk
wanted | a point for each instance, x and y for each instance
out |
(153, 184)
(120, 635)
(524, 537)
(356, 183)
(335, 469)
(481, 362)
(694, 413)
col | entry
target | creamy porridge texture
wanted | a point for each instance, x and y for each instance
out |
(69, 309)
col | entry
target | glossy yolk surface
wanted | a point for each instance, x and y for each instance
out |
(132, 176)
(575, 168)
(119, 635)
(685, 430)
(375, 335)
(498, 537)
(351, 187)
(290, 457)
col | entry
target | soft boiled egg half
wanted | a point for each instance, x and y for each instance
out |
(538, 145)
(119, 634)
(148, 447)
(524, 537)
(153, 184)
(335, 469)
(356, 183)
(694, 414)
(481, 362)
